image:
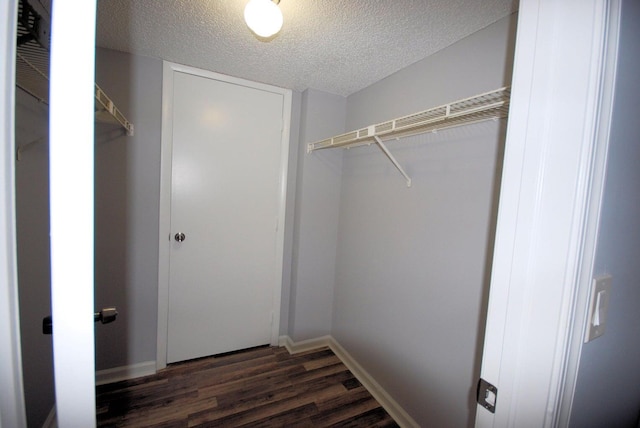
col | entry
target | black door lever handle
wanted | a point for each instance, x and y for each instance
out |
(105, 316)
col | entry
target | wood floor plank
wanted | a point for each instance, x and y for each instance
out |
(355, 408)
(323, 362)
(285, 402)
(200, 364)
(261, 387)
(319, 373)
(298, 417)
(376, 418)
(248, 409)
(264, 380)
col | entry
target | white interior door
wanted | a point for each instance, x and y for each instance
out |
(225, 199)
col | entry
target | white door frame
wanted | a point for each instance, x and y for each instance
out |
(582, 296)
(549, 205)
(71, 178)
(12, 408)
(165, 197)
(72, 152)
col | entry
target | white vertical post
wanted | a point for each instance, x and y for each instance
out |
(71, 122)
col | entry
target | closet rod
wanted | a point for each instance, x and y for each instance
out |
(486, 106)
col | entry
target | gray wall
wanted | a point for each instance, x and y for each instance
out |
(471, 66)
(316, 220)
(608, 385)
(413, 263)
(127, 192)
(32, 218)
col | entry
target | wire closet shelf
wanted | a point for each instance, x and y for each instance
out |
(32, 67)
(487, 106)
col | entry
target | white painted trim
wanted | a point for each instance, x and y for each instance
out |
(12, 407)
(71, 178)
(543, 208)
(52, 419)
(392, 407)
(165, 197)
(131, 371)
(282, 214)
(164, 216)
(304, 345)
(596, 191)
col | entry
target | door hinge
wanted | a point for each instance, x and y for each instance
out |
(487, 395)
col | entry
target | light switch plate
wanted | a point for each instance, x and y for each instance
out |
(597, 319)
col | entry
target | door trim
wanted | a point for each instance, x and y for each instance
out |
(578, 323)
(71, 182)
(166, 142)
(12, 406)
(543, 220)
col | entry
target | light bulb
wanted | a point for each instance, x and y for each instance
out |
(263, 17)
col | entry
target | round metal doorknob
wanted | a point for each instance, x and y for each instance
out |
(180, 237)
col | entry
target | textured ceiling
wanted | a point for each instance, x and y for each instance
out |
(337, 46)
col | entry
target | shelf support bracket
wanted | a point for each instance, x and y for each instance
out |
(21, 148)
(393, 160)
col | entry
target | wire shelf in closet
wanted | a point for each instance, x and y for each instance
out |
(32, 66)
(490, 105)
(487, 106)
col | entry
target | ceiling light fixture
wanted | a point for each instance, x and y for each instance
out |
(263, 17)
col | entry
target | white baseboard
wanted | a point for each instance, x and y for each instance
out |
(401, 417)
(51, 421)
(304, 345)
(132, 371)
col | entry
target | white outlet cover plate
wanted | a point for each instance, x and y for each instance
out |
(598, 307)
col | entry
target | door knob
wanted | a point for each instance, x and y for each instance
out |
(180, 237)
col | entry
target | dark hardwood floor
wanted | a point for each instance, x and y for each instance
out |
(261, 387)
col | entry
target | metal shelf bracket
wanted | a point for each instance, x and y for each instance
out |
(392, 158)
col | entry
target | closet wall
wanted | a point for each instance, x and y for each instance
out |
(316, 218)
(32, 231)
(412, 264)
(127, 193)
